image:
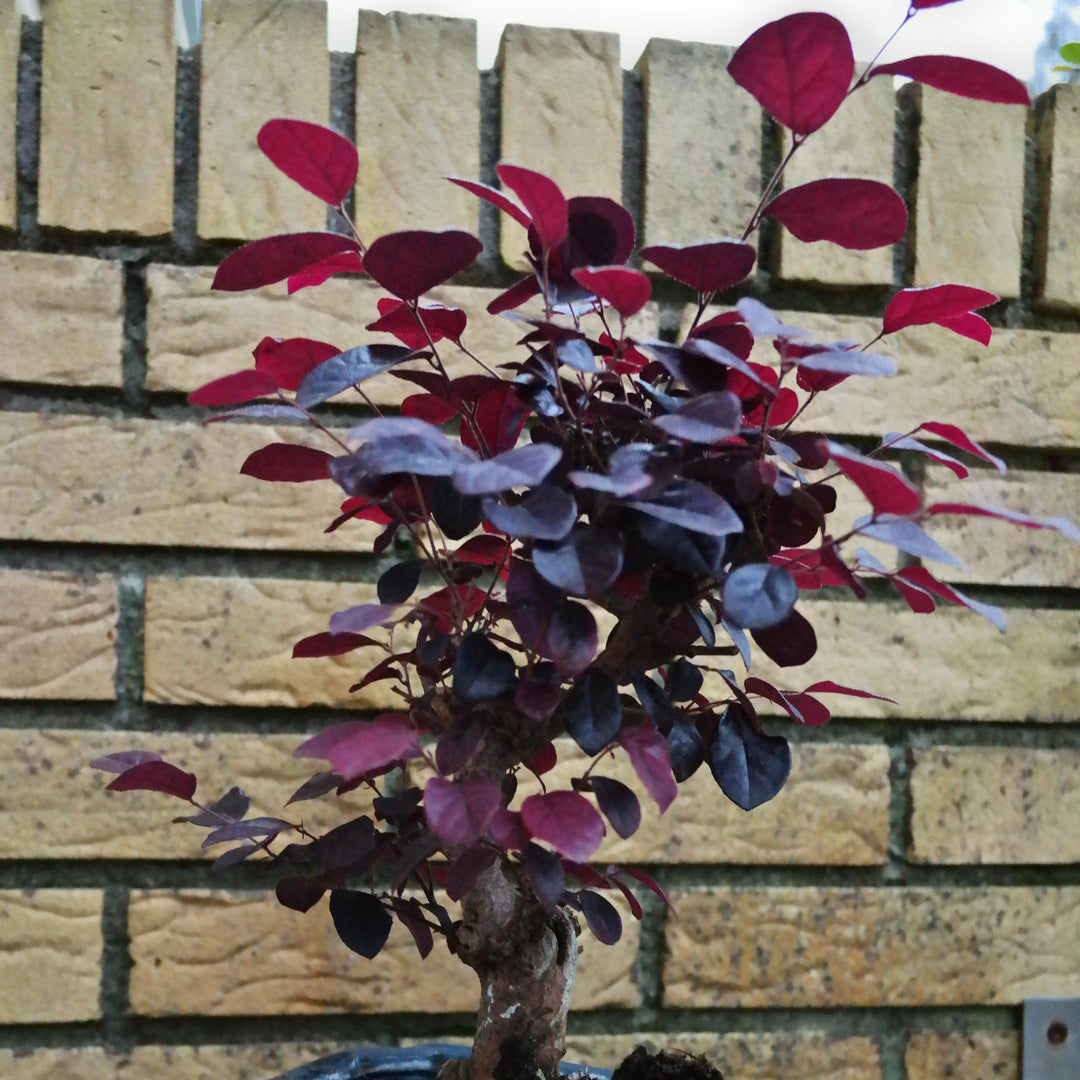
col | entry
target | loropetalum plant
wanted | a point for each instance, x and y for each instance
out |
(672, 486)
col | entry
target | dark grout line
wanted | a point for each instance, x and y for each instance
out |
(186, 154)
(133, 348)
(489, 222)
(633, 150)
(342, 120)
(28, 133)
(115, 968)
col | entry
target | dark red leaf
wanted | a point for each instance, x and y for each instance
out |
(952, 434)
(799, 68)
(969, 325)
(496, 198)
(960, 76)
(790, 643)
(515, 296)
(429, 408)
(288, 361)
(263, 262)
(466, 868)
(640, 875)
(801, 707)
(651, 760)
(348, 262)
(566, 820)
(299, 893)
(543, 761)
(411, 914)
(156, 776)
(542, 199)
(918, 307)
(361, 921)
(362, 747)
(327, 644)
(459, 812)
(319, 160)
(1059, 524)
(410, 263)
(706, 268)
(895, 440)
(919, 4)
(856, 214)
(288, 463)
(397, 318)
(500, 418)
(885, 488)
(233, 389)
(827, 686)
(918, 587)
(626, 290)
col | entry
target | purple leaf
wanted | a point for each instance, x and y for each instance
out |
(619, 804)
(571, 638)
(759, 595)
(546, 875)
(361, 921)
(466, 868)
(482, 671)
(763, 323)
(594, 713)
(706, 268)
(411, 914)
(232, 806)
(542, 199)
(157, 776)
(604, 921)
(848, 362)
(410, 263)
(456, 747)
(362, 747)
(319, 160)
(347, 369)
(261, 412)
(906, 536)
(706, 418)
(628, 472)
(546, 513)
(264, 262)
(356, 620)
(299, 893)
(524, 466)
(316, 786)
(686, 749)
(246, 830)
(459, 811)
(398, 583)
(749, 766)
(585, 563)
(691, 505)
(123, 760)
(650, 757)
(873, 215)
(566, 820)
(958, 75)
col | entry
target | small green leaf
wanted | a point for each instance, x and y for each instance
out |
(1070, 53)
(1064, 67)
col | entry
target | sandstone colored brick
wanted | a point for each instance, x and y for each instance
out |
(216, 641)
(417, 122)
(997, 552)
(797, 1055)
(561, 114)
(980, 1055)
(108, 86)
(260, 59)
(703, 172)
(871, 947)
(10, 30)
(50, 955)
(79, 478)
(1057, 263)
(56, 807)
(948, 665)
(995, 805)
(857, 141)
(970, 193)
(242, 954)
(57, 636)
(63, 317)
(207, 1062)
(833, 810)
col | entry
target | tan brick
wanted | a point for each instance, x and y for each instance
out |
(417, 121)
(92, 479)
(702, 174)
(746, 1055)
(208, 1062)
(10, 30)
(817, 947)
(216, 641)
(857, 141)
(561, 114)
(76, 818)
(50, 955)
(997, 552)
(108, 89)
(970, 192)
(995, 805)
(1057, 264)
(948, 665)
(222, 954)
(833, 810)
(64, 319)
(57, 636)
(260, 59)
(979, 1055)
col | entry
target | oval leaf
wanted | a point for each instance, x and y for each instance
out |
(919, 307)
(855, 214)
(885, 488)
(626, 290)
(288, 361)
(362, 747)
(264, 262)
(524, 466)
(594, 712)
(287, 463)
(758, 596)
(651, 760)
(619, 804)
(604, 921)
(482, 671)
(234, 389)
(566, 820)
(546, 513)
(319, 160)
(156, 776)
(691, 505)
(960, 76)
(541, 197)
(706, 418)
(706, 268)
(459, 812)
(347, 369)
(586, 563)
(496, 198)
(546, 874)
(410, 263)
(749, 766)
(361, 921)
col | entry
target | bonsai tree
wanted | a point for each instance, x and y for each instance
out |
(674, 491)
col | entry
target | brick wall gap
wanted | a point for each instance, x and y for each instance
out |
(186, 153)
(343, 121)
(650, 961)
(772, 153)
(133, 349)
(28, 134)
(892, 1045)
(25, 1038)
(115, 968)
(131, 593)
(906, 176)
(122, 875)
(633, 150)
(490, 221)
(899, 803)
(1019, 311)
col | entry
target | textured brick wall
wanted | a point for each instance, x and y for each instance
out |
(883, 918)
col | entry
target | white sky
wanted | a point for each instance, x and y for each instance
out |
(1002, 32)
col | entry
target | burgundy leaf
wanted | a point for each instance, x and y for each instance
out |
(329, 644)
(495, 197)
(969, 325)
(396, 317)
(885, 488)
(263, 262)
(604, 921)
(455, 747)
(919, 307)
(728, 331)
(356, 620)
(466, 868)
(319, 160)
(919, 4)
(459, 812)
(543, 201)
(585, 563)
(918, 587)
(411, 914)
(156, 776)
(1060, 524)
(649, 756)
(894, 440)
(571, 638)
(952, 434)
(362, 747)
(631, 899)
(123, 760)
(546, 874)
(361, 921)
(827, 686)
(799, 68)
(348, 262)
(299, 893)
(856, 214)
(287, 463)
(790, 643)
(960, 76)
(566, 820)
(706, 268)
(500, 416)
(429, 408)
(640, 875)
(515, 296)
(626, 290)
(233, 389)
(410, 263)
(800, 707)
(288, 361)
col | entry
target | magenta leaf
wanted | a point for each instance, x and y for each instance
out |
(856, 214)
(156, 776)
(495, 197)
(234, 389)
(969, 325)
(361, 921)
(960, 76)
(410, 263)
(919, 587)
(348, 262)
(287, 463)
(802, 708)
(263, 262)
(918, 307)
(626, 290)
(1059, 524)
(362, 747)
(799, 68)
(706, 268)
(895, 441)
(749, 766)
(604, 921)
(920, 4)
(542, 199)
(288, 360)
(566, 820)
(459, 811)
(123, 760)
(319, 160)
(651, 760)
(885, 488)
(952, 434)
